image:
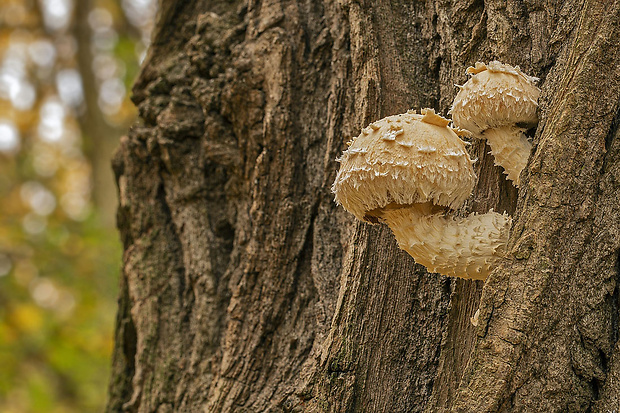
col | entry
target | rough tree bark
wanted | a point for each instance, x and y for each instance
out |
(244, 287)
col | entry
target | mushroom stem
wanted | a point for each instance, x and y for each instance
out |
(461, 247)
(510, 148)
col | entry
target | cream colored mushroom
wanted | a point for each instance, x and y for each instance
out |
(499, 104)
(408, 170)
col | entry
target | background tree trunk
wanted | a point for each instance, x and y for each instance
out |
(246, 289)
(101, 138)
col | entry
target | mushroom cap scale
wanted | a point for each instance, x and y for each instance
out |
(404, 159)
(496, 95)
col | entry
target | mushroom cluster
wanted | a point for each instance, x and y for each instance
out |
(499, 104)
(411, 170)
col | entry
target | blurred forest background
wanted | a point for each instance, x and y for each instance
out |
(66, 69)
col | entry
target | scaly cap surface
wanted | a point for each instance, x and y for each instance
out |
(404, 159)
(496, 95)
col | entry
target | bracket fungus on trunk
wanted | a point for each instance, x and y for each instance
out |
(408, 171)
(499, 104)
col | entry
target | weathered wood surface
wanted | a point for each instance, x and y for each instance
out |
(246, 289)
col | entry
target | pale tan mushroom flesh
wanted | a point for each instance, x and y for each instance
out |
(404, 159)
(407, 171)
(499, 104)
(461, 247)
(510, 149)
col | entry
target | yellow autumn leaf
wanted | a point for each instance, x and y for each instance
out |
(27, 317)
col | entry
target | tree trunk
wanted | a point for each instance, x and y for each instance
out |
(100, 137)
(246, 289)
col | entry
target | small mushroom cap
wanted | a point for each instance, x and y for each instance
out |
(404, 159)
(496, 95)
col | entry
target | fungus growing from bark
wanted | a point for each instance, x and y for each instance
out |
(408, 171)
(499, 104)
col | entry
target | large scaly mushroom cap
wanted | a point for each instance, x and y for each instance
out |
(404, 159)
(496, 95)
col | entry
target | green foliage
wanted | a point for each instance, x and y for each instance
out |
(56, 319)
(59, 256)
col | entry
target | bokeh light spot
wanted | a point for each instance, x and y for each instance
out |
(100, 19)
(51, 126)
(9, 136)
(39, 198)
(56, 13)
(42, 52)
(34, 224)
(44, 292)
(69, 85)
(111, 95)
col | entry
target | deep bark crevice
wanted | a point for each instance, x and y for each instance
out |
(613, 129)
(614, 299)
